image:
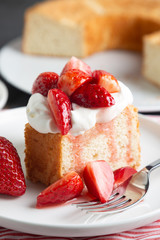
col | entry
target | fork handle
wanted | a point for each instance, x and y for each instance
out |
(153, 165)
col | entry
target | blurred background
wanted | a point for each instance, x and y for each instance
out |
(11, 25)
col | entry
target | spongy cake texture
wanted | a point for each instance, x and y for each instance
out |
(49, 156)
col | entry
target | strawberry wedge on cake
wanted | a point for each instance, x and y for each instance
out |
(79, 117)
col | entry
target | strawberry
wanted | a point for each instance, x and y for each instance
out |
(92, 96)
(12, 180)
(99, 179)
(106, 80)
(44, 82)
(71, 80)
(122, 174)
(60, 106)
(66, 188)
(75, 63)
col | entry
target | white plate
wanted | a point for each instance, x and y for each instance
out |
(21, 70)
(3, 94)
(66, 220)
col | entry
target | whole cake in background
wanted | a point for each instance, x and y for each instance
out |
(82, 27)
(151, 56)
(79, 117)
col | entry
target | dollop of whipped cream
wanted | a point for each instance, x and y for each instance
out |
(41, 119)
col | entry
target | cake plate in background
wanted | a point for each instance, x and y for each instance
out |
(21, 70)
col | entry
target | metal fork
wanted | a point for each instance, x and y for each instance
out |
(128, 194)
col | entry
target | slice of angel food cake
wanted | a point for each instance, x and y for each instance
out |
(79, 117)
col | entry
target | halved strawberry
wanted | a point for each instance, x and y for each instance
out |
(122, 174)
(44, 82)
(12, 181)
(68, 187)
(106, 80)
(60, 106)
(99, 179)
(71, 80)
(75, 63)
(92, 96)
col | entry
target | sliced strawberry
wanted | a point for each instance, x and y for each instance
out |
(44, 82)
(122, 174)
(92, 96)
(75, 63)
(12, 181)
(60, 106)
(99, 179)
(71, 80)
(68, 187)
(106, 80)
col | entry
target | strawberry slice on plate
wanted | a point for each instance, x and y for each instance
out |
(92, 96)
(44, 82)
(75, 63)
(60, 106)
(66, 188)
(72, 79)
(106, 80)
(12, 181)
(122, 174)
(99, 179)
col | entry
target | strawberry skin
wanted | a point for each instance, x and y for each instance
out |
(60, 106)
(67, 188)
(75, 63)
(122, 174)
(92, 96)
(12, 180)
(106, 80)
(44, 82)
(72, 79)
(99, 179)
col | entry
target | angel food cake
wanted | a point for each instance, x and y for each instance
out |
(81, 117)
(83, 27)
(151, 56)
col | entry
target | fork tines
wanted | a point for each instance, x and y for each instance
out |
(116, 203)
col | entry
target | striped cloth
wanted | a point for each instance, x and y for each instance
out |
(151, 231)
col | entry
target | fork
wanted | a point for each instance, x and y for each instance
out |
(127, 195)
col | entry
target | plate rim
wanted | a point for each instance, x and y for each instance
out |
(80, 227)
(4, 91)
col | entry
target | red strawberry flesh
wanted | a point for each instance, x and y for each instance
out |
(122, 174)
(44, 82)
(61, 109)
(12, 181)
(72, 79)
(106, 80)
(66, 188)
(99, 179)
(75, 63)
(92, 96)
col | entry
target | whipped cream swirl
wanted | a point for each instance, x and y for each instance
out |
(41, 119)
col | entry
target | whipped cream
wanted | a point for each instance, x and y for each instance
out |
(41, 119)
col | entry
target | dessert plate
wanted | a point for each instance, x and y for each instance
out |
(3, 94)
(21, 69)
(66, 220)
